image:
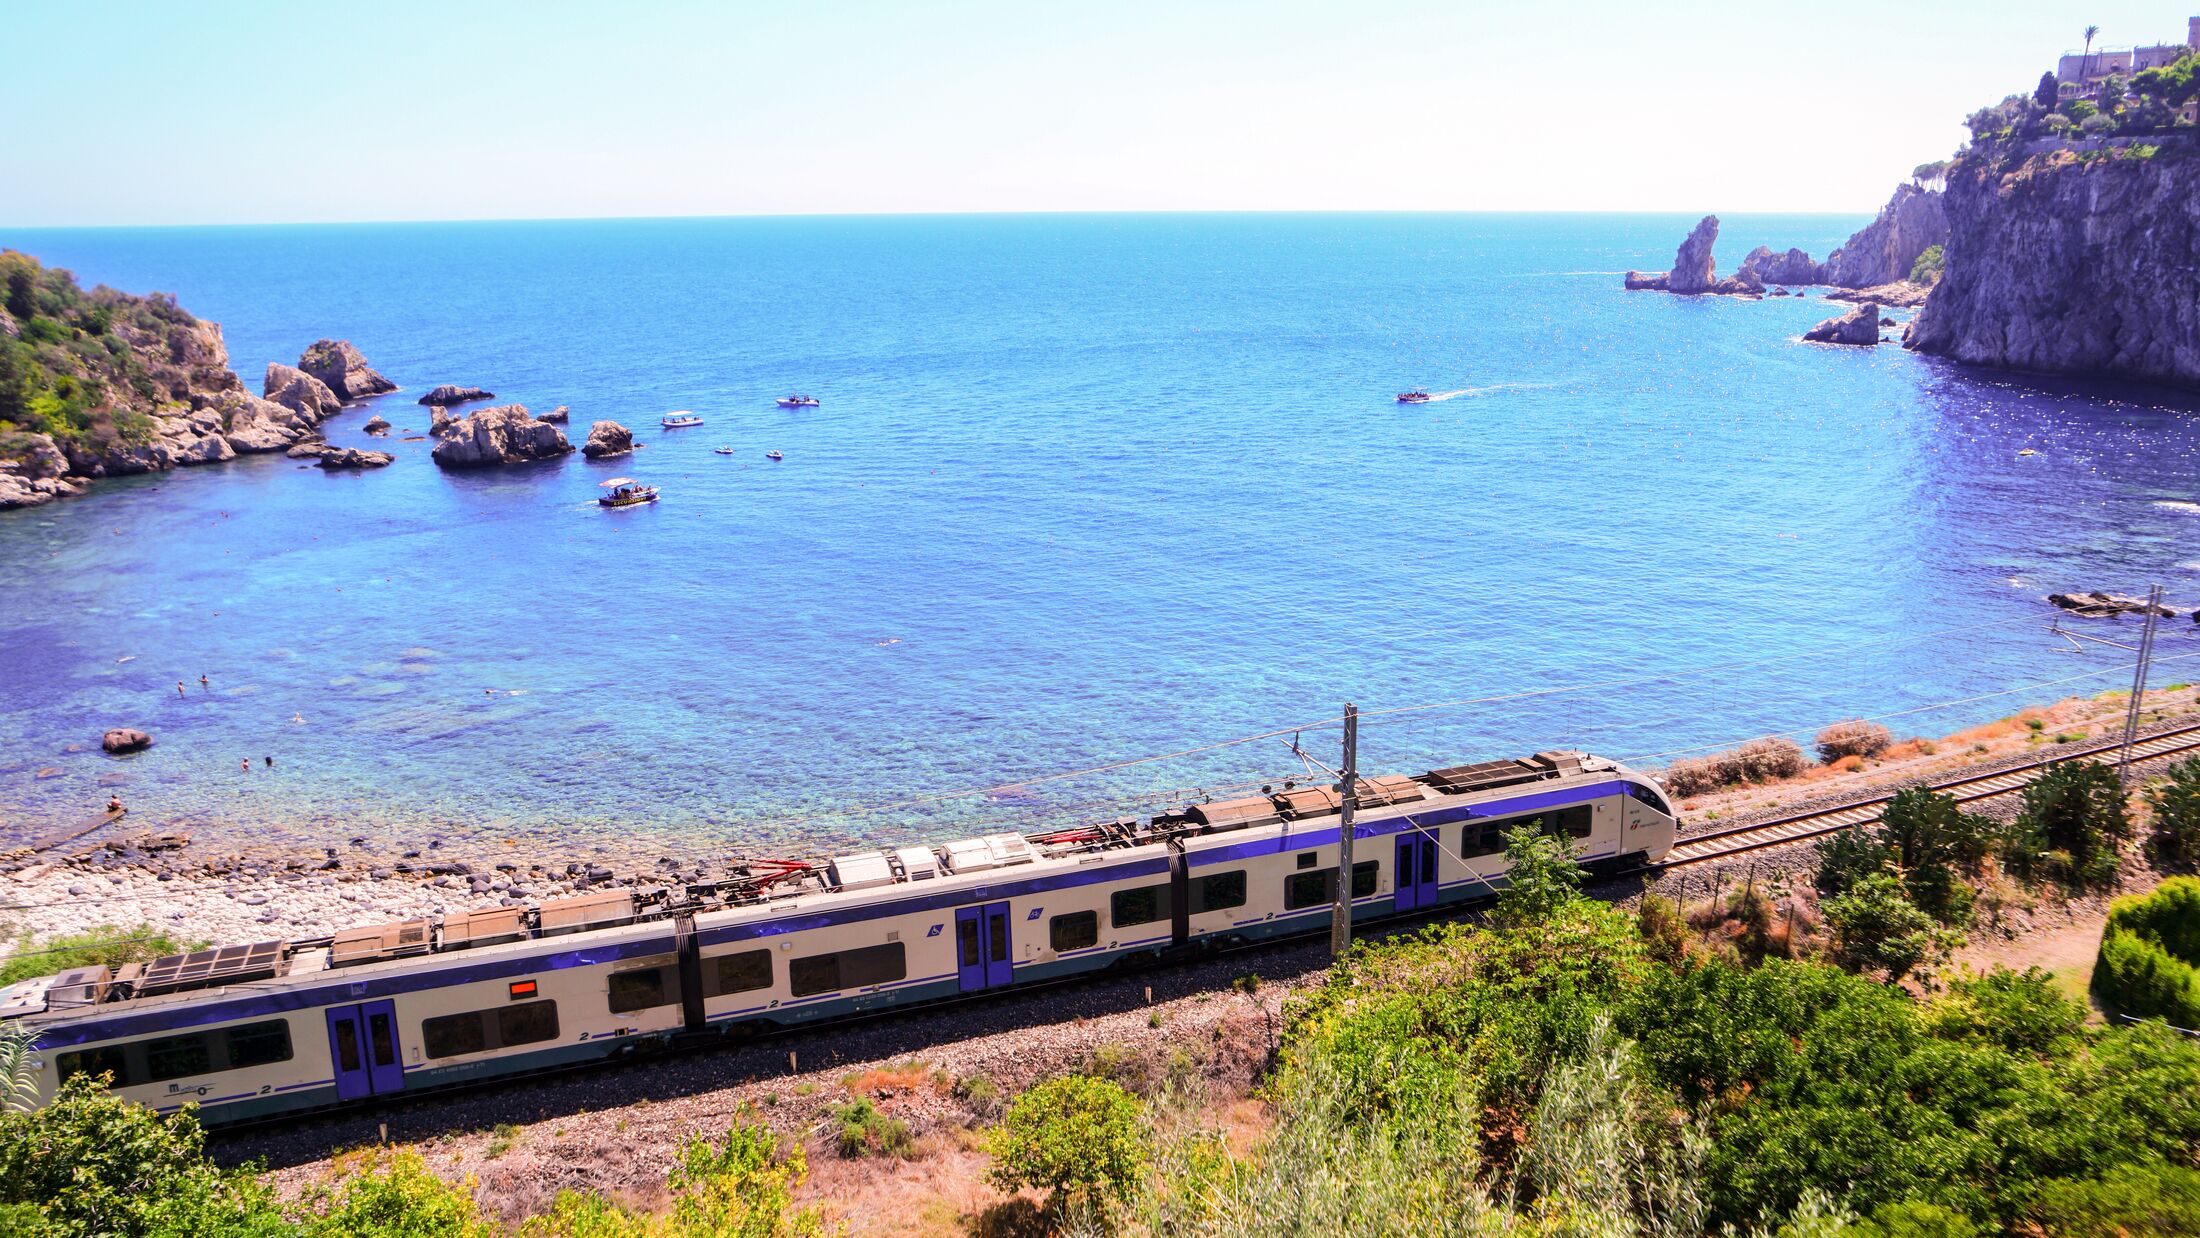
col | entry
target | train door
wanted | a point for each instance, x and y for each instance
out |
(362, 1041)
(1416, 871)
(982, 958)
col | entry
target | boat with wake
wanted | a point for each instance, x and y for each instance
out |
(797, 400)
(625, 492)
(1415, 396)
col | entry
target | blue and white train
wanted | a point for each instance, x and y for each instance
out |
(259, 1031)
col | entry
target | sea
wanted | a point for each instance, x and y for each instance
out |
(1097, 514)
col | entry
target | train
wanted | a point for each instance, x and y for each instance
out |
(268, 1030)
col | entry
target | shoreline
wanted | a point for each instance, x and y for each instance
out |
(280, 891)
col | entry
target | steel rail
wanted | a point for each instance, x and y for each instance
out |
(1740, 839)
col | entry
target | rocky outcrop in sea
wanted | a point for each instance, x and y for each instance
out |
(1763, 266)
(299, 391)
(504, 434)
(334, 458)
(1884, 250)
(449, 394)
(2066, 267)
(607, 438)
(338, 365)
(1695, 270)
(1858, 326)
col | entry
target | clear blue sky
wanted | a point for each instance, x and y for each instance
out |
(246, 112)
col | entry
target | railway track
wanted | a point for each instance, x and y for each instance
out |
(1737, 840)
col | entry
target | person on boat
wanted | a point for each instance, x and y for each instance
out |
(114, 803)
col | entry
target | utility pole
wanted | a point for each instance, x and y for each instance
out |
(2139, 684)
(1340, 924)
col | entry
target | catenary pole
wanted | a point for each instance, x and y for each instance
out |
(1340, 923)
(2139, 684)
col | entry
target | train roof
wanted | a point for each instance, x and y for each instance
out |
(758, 890)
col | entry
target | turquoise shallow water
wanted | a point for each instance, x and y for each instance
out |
(1082, 489)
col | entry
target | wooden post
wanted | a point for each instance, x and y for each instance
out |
(1340, 924)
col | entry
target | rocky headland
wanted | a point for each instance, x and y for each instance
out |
(1875, 263)
(2061, 264)
(98, 383)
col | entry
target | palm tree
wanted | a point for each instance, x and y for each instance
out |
(18, 1068)
(2085, 63)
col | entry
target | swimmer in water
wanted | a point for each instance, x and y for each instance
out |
(245, 765)
(298, 718)
(203, 683)
(270, 762)
(179, 687)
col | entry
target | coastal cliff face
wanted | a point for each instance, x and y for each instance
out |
(2063, 266)
(100, 383)
(1913, 221)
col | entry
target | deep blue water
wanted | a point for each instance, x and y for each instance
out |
(1082, 489)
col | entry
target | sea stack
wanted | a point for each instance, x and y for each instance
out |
(607, 438)
(504, 434)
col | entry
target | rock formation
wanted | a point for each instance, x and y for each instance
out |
(607, 438)
(1858, 326)
(2108, 605)
(376, 425)
(504, 434)
(561, 414)
(1913, 221)
(35, 474)
(338, 365)
(447, 395)
(1762, 266)
(353, 458)
(307, 449)
(1901, 294)
(439, 420)
(122, 739)
(1695, 270)
(2060, 267)
(299, 391)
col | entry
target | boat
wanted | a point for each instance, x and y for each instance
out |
(1415, 396)
(2028, 452)
(674, 421)
(773, 455)
(625, 492)
(797, 400)
(723, 451)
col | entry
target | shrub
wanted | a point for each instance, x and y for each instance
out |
(391, 1193)
(1759, 760)
(2174, 838)
(1540, 877)
(2149, 951)
(864, 1131)
(980, 1093)
(1081, 1139)
(2073, 815)
(1929, 267)
(2130, 1201)
(1855, 738)
(1694, 776)
(104, 943)
(1877, 928)
(1770, 758)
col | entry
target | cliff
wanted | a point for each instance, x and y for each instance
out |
(2063, 264)
(100, 383)
(1913, 221)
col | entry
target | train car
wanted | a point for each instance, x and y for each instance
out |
(259, 1031)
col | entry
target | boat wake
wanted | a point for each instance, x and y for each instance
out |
(1492, 389)
(2177, 505)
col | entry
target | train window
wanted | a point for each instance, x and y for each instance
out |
(739, 973)
(527, 1023)
(1074, 931)
(639, 989)
(1307, 859)
(1482, 838)
(259, 1044)
(447, 1035)
(1143, 905)
(848, 969)
(1363, 879)
(1309, 889)
(966, 942)
(1218, 891)
(107, 1060)
(176, 1057)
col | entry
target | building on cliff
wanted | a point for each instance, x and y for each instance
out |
(2079, 74)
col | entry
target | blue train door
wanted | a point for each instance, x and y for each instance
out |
(362, 1042)
(982, 958)
(1416, 871)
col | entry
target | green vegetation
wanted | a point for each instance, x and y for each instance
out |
(2149, 965)
(77, 358)
(1929, 267)
(864, 1131)
(1877, 928)
(2173, 837)
(2072, 820)
(1081, 1139)
(103, 943)
(1923, 839)
(2150, 101)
